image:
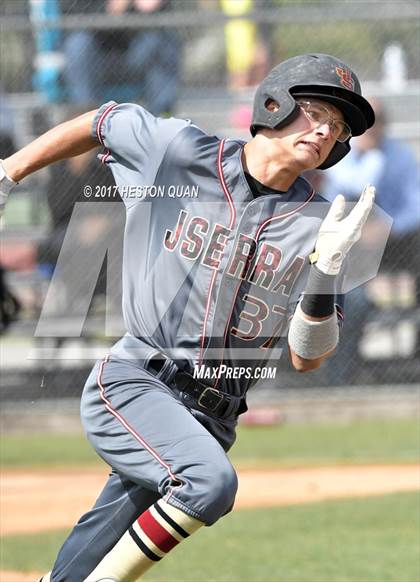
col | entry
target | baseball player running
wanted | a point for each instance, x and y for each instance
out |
(216, 284)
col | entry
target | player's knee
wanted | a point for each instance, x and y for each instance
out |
(207, 482)
(221, 485)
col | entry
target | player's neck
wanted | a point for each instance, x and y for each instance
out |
(270, 171)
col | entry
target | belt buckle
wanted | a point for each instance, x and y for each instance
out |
(155, 364)
(210, 399)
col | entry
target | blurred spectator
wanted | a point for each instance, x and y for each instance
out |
(7, 146)
(247, 51)
(391, 166)
(48, 63)
(65, 188)
(9, 304)
(146, 61)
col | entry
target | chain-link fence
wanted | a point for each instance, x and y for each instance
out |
(358, 32)
(196, 59)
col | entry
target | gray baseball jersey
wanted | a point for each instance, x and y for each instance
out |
(211, 274)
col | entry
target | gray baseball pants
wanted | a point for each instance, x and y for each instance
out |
(157, 448)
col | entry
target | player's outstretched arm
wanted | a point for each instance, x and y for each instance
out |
(68, 139)
(313, 333)
(64, 141)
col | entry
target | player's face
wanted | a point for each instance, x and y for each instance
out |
(307, 141)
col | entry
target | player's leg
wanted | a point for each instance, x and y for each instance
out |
(97, 530)
(158, 529)
(95, 534)
(193, 474)
(155, 533)
(139, 427)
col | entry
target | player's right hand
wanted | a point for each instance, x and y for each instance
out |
(337, 234)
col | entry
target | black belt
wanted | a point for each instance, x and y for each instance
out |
(194, 393)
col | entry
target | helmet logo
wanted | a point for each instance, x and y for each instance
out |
(345, 78)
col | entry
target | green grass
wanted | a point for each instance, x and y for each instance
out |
(41, 450)
(374, 539)
(368, 441)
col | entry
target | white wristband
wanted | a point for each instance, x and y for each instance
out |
(312, 339)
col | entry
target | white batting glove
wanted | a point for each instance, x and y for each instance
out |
(337, 234)
(6, 186)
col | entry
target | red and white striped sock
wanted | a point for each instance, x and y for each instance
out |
(148, 540)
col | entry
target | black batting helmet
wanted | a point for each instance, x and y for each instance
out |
(313, 75)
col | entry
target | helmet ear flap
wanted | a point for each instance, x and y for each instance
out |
(336, 154)
(263, 116)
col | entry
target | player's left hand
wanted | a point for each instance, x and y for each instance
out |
(337, 234)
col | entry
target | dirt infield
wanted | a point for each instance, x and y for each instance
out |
(40, 501)
(36, 501)
(8, 576)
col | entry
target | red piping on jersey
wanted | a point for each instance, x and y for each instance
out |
(206, 314)
(340, 312)
(227, 327)
(264, 224)
(125, 424)
(100, 121)
(105, 156)
(224, 185)
(231, 223)
(257, 235)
